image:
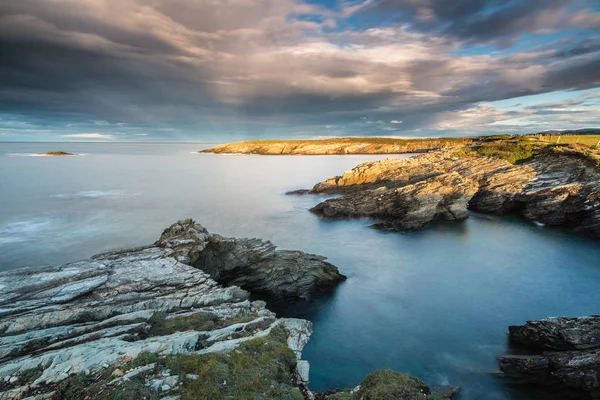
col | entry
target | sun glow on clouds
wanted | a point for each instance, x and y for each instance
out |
(205, 69)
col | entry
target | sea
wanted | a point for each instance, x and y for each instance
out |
(435, 303)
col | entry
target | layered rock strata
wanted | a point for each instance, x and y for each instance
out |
(85, 317)
(552, 188)
(561, 355)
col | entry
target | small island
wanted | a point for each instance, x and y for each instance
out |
(57, 153)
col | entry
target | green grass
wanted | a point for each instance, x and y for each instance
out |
(385, 384)
(389, 385)
(513, 151)
(80, 387)
(585, 140)
(258, 369)
(201, 321)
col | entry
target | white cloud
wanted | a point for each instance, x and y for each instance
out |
(395, 121)
(89, 136)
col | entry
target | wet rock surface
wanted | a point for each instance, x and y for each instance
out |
(560, 355)
(555, 189)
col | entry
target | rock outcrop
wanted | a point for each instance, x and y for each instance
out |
(561, 355)
(151, 323)
(388, 384)
(407, 207)
(552, 188)
(253, 264)
(91, 316)
(58, 153)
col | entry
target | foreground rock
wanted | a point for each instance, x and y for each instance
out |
(130, 315)
(388, 384)
(336, 146)
(562, 355)
(552, 188)
(148, 323)
(253, 264)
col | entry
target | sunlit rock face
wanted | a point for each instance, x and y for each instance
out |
(404, 194)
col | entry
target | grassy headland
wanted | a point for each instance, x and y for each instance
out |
(338, 146)
(512, 148)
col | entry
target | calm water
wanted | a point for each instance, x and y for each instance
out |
(435, 303)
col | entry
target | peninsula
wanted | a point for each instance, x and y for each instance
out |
(337, 146)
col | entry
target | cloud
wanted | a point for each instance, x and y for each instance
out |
(395, 121)
(275, 65)
(89, 136)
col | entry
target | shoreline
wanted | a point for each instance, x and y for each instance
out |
(154, 322)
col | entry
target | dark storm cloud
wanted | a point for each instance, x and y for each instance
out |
(499, 21)
(251, 63)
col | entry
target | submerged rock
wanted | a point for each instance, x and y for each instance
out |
(95, 315)
(551, 188)
(564, 357)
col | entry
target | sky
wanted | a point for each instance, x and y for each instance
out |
(224, 70)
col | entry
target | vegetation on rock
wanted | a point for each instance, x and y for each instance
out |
(384, 385)
(261, 368)
(58, 153)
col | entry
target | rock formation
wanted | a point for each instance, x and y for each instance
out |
(553, 188)
(561, 355)
(388, 384)
(151, 323)
(253, 264)
(92, 315)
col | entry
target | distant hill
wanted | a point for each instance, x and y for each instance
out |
(585, 131)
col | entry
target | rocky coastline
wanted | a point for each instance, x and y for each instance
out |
(559, 357)
(153, 322)
(551, 186)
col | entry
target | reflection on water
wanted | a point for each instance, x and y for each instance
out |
(435, 303)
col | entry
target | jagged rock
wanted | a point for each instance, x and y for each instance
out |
(387, 384)
(553, 188)
(569, 364)
(408, 207)
(559, 333)
(253, 264)
(90, 315)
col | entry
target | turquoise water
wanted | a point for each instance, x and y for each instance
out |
(434, 303)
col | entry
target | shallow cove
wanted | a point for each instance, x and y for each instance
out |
(434, 303)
